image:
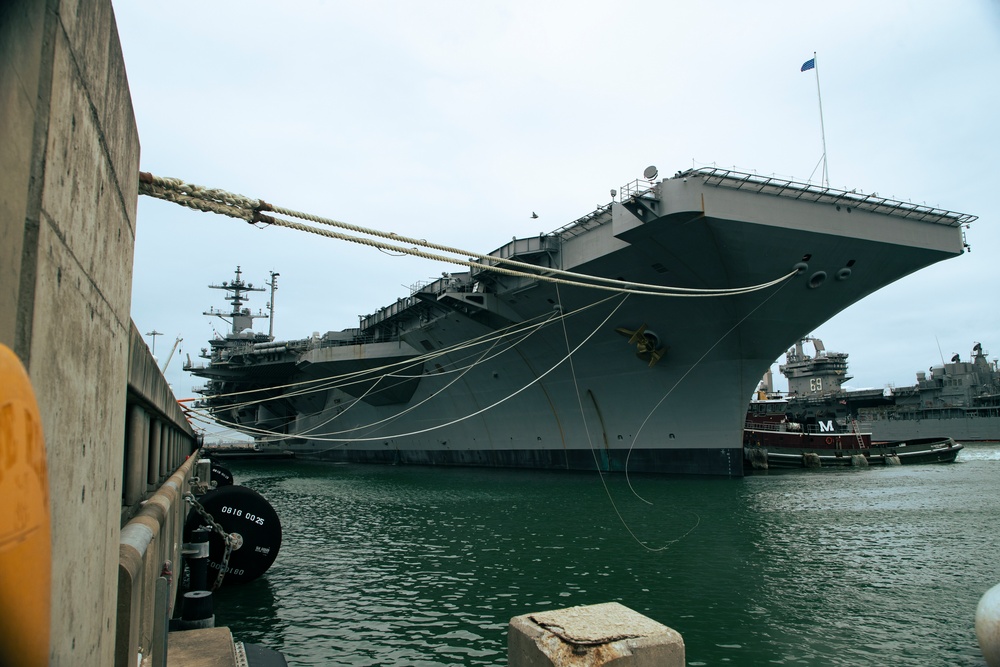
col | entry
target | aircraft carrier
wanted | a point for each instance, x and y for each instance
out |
(630, 339)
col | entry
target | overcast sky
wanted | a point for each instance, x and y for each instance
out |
(454, 121)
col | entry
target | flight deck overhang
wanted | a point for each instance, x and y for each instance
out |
(729, 195)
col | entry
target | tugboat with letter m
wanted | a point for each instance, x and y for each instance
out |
(811, 427)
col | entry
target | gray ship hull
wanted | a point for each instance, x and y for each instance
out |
(964, 428)
(959, 399)
(556, 381)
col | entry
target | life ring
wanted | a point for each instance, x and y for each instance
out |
(829, 440)
(245, 512)
(25, 524)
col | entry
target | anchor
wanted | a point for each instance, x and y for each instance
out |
(646, 343)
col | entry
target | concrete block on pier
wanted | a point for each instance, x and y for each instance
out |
(208, 647)
(592, 636)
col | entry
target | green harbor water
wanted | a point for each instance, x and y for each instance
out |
(400, 566)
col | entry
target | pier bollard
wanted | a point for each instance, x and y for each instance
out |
(198, 612)
(592, 636)
(196, 553)
(196, 609)
(988, 626)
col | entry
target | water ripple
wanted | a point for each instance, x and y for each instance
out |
(410, 566)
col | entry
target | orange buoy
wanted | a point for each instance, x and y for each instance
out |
(25, 539)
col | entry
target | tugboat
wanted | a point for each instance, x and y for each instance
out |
(812, 427)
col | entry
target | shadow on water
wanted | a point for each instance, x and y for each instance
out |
(384, 565)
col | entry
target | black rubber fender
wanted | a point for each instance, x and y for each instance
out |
(245, 512)
(221, 475)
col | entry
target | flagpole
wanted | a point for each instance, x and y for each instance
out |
(822, 130)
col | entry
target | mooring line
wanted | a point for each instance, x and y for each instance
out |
(215, 200)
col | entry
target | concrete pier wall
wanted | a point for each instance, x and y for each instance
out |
(149, 571)
(158, 438)
(69, 162)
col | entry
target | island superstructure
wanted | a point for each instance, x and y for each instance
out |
(485, 368)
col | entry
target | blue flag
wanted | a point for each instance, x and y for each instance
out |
(809, 64)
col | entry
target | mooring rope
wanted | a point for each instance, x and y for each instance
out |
(371, 425)
(597, 465)
(519, 332)
(312, 385)
(538, 378)
(516, 333)
(680, 380)
(215, 200)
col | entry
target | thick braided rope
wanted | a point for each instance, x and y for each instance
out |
(214, 200)
(503, 271)
(200, 191)
(196, 203)
(492, 260)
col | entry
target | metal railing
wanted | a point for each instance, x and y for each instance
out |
(782, 187)
(593, 219)
(809, 429)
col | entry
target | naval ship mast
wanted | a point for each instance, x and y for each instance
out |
(239, 349)
(240, 318)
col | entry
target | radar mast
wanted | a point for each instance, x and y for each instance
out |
(240, 318)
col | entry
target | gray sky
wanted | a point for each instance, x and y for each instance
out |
(453, 121)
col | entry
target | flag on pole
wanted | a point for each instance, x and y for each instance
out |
(809, 64)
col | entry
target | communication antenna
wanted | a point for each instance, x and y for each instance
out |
(270, 307)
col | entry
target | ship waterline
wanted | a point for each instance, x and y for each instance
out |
(488, 369)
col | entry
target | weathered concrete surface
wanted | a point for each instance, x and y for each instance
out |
(21, 37)
(69, 165)
(210, 647)
(592, 636)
